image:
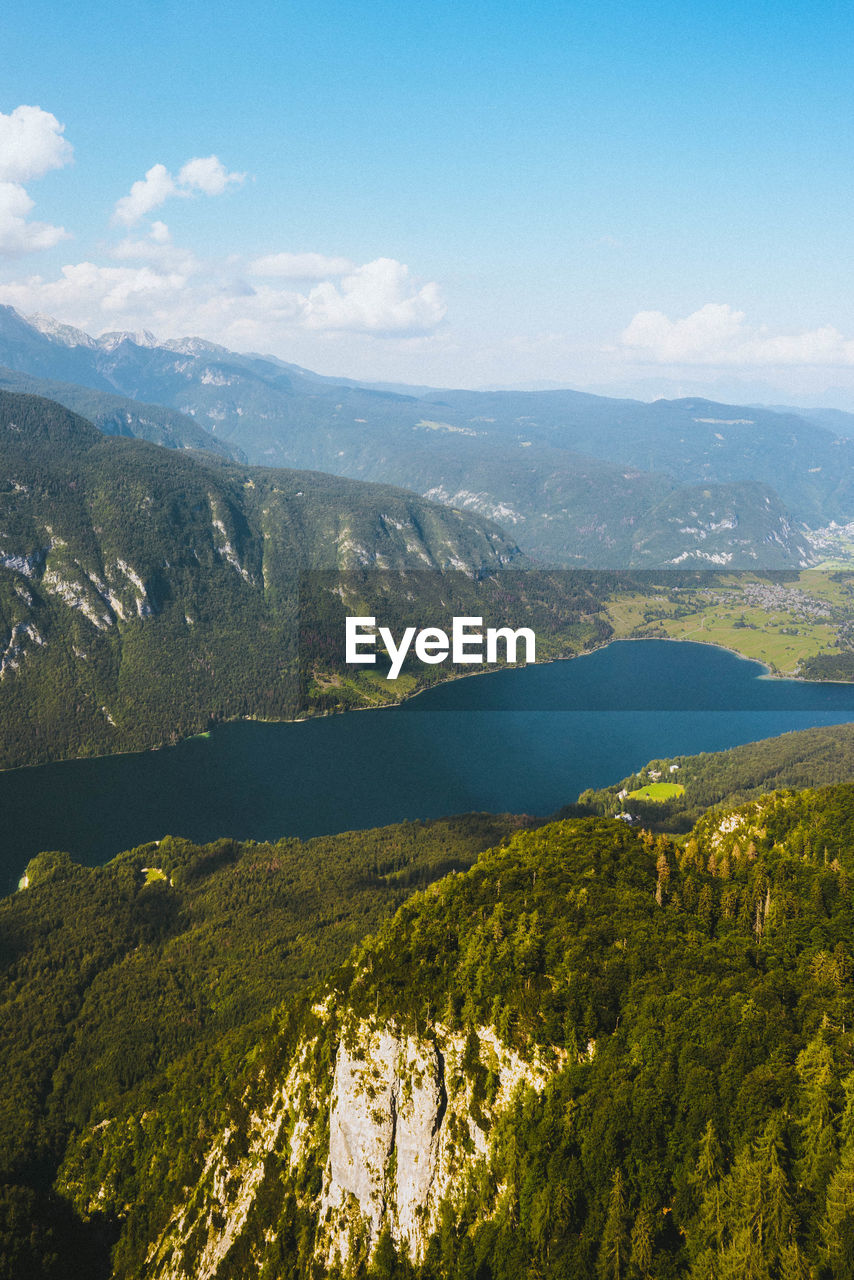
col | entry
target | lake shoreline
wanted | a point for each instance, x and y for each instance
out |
(564, 727)
(410, 697)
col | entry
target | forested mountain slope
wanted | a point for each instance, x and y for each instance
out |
(594, 1054)
(113, 979)
(147, 592)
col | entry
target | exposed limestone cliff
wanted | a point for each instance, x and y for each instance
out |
(206, 1224)
(388, 1101)
(397, 1123)
(410, 1120)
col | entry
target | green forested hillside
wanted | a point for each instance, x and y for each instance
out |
(114, 979)
(146, 593)
(637, 1056)
(807, 757)
(830, 666)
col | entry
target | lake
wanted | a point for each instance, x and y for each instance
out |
(523, 740)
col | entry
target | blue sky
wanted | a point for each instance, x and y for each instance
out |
(620, 195)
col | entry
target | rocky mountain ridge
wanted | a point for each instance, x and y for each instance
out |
(562, 1055)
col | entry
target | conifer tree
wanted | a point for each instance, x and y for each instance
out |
(819, 1106)
(615, 1246)
(705, 1180)
(837, 1227)
(642, 1242)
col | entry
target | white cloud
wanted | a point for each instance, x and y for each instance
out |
(157, 247)
(157, 185)
(718, 335)
(170, 291)
(203, 174)
(31, 143)
(17, 234)
(380, 297)
(301, 266)
(208, 175)
(85, 290)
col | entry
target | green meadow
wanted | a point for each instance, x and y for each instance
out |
(797, 620)
(659, 791)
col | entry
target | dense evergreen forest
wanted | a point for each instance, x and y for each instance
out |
(167, 961)
(830, 666)
(654, 1076)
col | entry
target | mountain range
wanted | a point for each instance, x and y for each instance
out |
(116, 415)
(579, 480)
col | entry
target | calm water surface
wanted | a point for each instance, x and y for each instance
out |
(525, 741)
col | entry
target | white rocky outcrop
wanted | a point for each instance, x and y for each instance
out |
(216, 1209)
(144, 607)
(79, 595)
(387, 1102)
(405, 1134)
(226, 550)
(392, 1120)
(482, 503)
(420, 1105)
(19, 562)
(15, 648)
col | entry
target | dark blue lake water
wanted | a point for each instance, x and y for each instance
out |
(522, 740)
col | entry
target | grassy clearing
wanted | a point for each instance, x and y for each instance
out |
(779, 636)
(779, 640)
(658, 791)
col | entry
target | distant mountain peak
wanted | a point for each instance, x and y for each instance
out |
(194, 347)
(66, 334)
(140, 338)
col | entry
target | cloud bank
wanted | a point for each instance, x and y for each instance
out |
(301, 266)
(718, 335)
(31, 144)
(158, 286)
(379, 298)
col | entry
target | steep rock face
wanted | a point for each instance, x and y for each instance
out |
(361, 1135)
(420, 1110)
(387, 1103)
(371, 1128)
(407, 1126)
(210, 1221)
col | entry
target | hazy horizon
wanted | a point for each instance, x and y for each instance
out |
(627, 198)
